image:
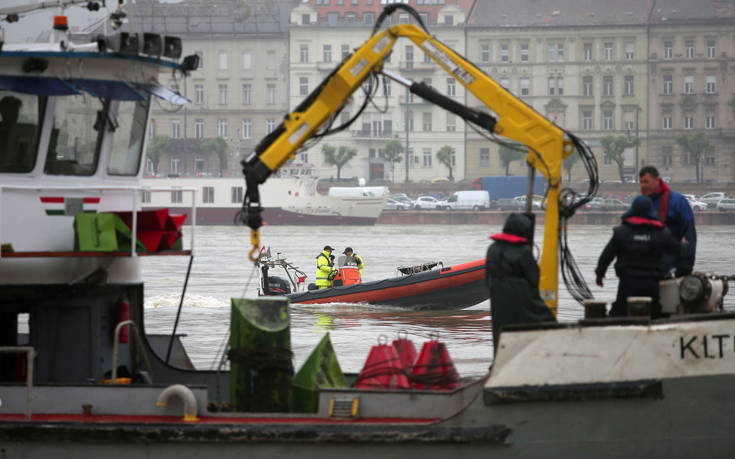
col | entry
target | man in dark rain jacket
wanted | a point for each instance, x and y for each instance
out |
(639, 244)
(512, 276)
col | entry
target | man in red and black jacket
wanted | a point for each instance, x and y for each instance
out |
(639, 245)
(674, 211)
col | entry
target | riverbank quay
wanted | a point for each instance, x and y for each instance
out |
(497, 217)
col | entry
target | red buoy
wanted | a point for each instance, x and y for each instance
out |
(434, 369)
(406, 350)
(383, 369)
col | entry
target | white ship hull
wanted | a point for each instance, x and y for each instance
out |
(286, 201)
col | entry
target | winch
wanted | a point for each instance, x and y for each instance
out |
(694, 293)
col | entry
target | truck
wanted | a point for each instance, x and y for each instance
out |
(469, 200)
(508, 186)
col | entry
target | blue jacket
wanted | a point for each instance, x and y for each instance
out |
(680, 221)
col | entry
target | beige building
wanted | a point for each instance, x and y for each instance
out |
(240, 90)
(691, 88)
(581, 66)
(324, 32)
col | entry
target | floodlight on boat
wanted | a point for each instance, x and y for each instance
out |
(172, 47)
(189, 63)
(152, 44)
(122, 42)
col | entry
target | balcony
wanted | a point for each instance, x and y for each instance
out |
(367, 134)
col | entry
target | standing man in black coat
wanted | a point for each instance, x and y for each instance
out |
(638, 244)
(512, 276)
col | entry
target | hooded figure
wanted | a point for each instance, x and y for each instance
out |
(638, 244)
(513, 278)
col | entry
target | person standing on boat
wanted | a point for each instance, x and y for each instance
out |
(639, 245)
(673, 210)
(325, 270)
(512, 276)
(356, 258)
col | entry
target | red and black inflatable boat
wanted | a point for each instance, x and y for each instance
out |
(453, 287)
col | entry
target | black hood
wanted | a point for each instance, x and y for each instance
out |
(519, 225)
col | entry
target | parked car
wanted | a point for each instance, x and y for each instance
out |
(428, 202)
(404, 198)
(510, 204)
(394, 204)
(471, 199)
(538, 201)
(712, 199)
(613, 204)
(726, 205)
(695, 203)
(596, 203)
(440, 180)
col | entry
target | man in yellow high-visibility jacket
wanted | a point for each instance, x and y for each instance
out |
(325, 270)
(357, 258)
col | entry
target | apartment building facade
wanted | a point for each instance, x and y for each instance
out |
(691, 88)
(324, 32)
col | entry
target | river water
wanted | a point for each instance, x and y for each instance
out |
(221, 270)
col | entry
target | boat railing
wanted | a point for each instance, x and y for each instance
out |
(30, 353)
(115, 349)
(134, 191)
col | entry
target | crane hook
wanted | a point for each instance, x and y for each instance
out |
(255, 240)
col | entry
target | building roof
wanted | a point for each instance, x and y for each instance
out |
(559, 13)
(212, 18)
(359, 7)
(677, 11)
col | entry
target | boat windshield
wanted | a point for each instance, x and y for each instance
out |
(127, 143)
(19, 130)
(76, 135)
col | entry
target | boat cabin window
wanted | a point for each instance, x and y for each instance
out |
(76, 136)
(127, 143)
(20, 116)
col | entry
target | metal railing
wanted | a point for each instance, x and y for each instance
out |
(116, 345)
(30, 356)
(134, 190)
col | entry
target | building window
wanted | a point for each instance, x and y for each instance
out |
(689, 49)
(524, 52)
(270, 59)
(668, 84)
(201, 58)
(668, 50)
(426, 121)
(208, 194)
(588, 51)
(247, 129)
(666, 122)
(560, 52)
(368, 18)
(551, 55)
(270, 94)
(628, 126)
(177, 196)
(629, 51)
(553, 82)
(222, 60)
(332, 18)
(152, 128)
(304, 54)
(451, 87)
(451, 122)
(345, 51)
(409, 57)
(327, 53)
(711, 49)
(587, 120)
(236, 194)
(484, 157)
(175, 129)
(710, 84)
(525, 86)
(689, 84)
(709, 121)
(223, 94)
(247, 60)
(628, 85)
(386, 87)
(688, 122)
(709, 157)
(199, 128)
(608, 51)
(305, 19)
(350, 18)
(427, 157)
(485, 52)
(607, 86)
(504, 52)
(666, 156)
(409, 115)
(247, 94)
(505, 83)
(198, 94)
(607, 121)
(222, 128)
(303, 86)
(270, 125)
(448, 19)
(587, 86)
(146, 195)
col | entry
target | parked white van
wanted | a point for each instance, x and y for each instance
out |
(469, 200)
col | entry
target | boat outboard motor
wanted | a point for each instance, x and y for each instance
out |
(278, 286)
(693, 293)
